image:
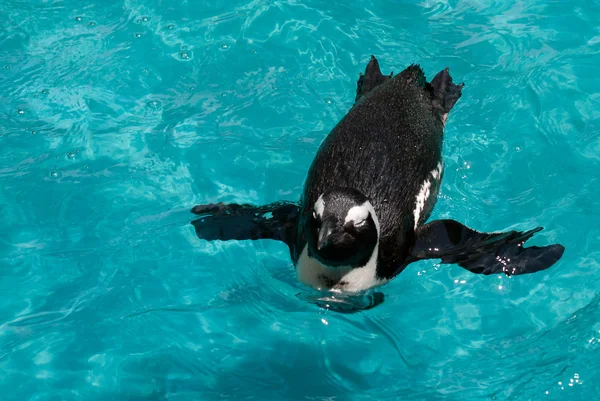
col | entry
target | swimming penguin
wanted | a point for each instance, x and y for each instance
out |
(372, 186)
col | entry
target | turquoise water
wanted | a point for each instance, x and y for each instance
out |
(118, 117)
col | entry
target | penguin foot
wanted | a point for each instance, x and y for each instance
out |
(371, 79)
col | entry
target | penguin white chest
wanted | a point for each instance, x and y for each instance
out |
(341, 279)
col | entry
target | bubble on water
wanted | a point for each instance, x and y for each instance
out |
(32, 132)
(45, 91)
(54, 174)
(78, 19)
(139, 21)
(153, 104)
(145, 19)
(253, 51)
(224, 46)
(92, 23)
(138, 35)
(328, 100)
(184, 55)
(170, 26)
(21, 111)
(518, 148)
(71, 155)
(86, 166)
(224, 94)
(6, 67)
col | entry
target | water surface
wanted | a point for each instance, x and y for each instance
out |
(119, 116)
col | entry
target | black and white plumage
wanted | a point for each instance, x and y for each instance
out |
(369, 191)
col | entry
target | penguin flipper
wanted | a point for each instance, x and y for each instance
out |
(370, 80)
(483, 253)
(225, 222)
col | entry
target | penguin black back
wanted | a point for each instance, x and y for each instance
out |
(386, 146)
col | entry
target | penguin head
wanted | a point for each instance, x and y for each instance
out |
(342, 228)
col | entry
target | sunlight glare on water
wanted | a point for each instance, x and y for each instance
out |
(118, 117)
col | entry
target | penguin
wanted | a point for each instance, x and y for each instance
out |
(362, 216)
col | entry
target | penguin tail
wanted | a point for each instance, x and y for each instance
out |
(445, 93)
(371, 79)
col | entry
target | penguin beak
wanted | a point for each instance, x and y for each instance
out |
(325, 235)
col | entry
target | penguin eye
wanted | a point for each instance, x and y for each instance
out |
(360, 223)
(316, 219)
